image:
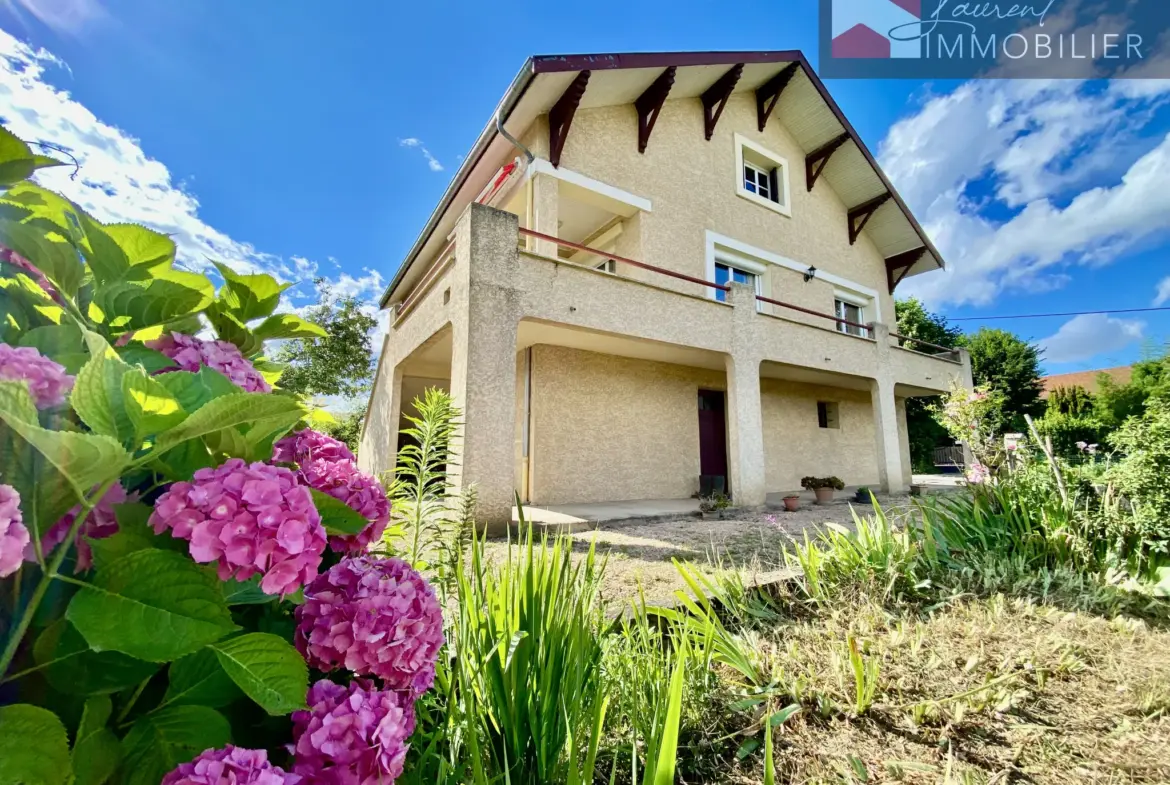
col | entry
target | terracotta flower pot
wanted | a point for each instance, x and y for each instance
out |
(792, 503)
(824, 495)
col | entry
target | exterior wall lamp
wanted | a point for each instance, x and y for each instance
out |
(809, 274)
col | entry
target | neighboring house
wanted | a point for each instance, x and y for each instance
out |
(1089, 380)
(660, 272)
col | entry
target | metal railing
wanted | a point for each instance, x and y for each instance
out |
(949, 456)
(866, 331)
(902, 340)
(442, 261)
(624, 260)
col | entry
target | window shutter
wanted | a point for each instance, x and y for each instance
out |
(773, 181)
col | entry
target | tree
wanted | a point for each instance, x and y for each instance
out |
(1005, 362)
(925, 433)
(1115, 403)
(341, 363)
(348, 428)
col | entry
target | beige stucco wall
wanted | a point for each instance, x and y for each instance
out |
(691, 183)
(608, 428)
(795, 445)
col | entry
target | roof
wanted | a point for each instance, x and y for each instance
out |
(809, 114)
(1086, 379)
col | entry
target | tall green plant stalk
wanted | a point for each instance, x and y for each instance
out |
(528, 647)
(420, 491)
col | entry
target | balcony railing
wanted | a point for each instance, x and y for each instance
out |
(866, 332)
(913, 345)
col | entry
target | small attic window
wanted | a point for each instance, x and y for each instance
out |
(762, 176)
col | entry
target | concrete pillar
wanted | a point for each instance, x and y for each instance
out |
(486, 307)
(544, 213)
(885, 416)
(745, 422)
(379, 442)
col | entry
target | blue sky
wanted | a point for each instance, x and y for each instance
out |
(315, 138)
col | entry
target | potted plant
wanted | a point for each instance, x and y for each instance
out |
(823, 487)
(792, 502)
(714, 505)
(863, 495)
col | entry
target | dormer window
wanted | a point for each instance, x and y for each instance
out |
(762, 176)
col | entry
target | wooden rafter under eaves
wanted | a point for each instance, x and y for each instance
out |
(817, 160)
(899, 266)
(859, 216)
(768, 94)
(560, 117)
(649, 105)
(715, 98)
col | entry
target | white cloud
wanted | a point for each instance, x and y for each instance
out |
(1084, 337)
(1017, 180)
(118, 182)
(1163, 294)
(63, 16)
(432, 162)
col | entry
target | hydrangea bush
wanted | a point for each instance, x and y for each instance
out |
(177, 547)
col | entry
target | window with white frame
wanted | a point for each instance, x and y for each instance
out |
(726, 274)
(762, 175)
(850, 311)
(608, 266)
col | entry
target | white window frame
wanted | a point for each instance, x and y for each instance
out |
(862, 304)
(738, 262)
(783, 205)
(728, 250)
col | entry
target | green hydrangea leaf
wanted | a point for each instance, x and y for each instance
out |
(198, 679)
(193, 390)
(16, 399)
(51, 470)
(97, 392)
(161, 740)
(17, 160)
(248, 297)
(141, 247)
(34, 749)
(245, 592)
(74, 669)
(96, 751)
(287, 325)
(261, 413)
(152, 360)
(229, 328)
(134, 534)
(49, 251)
(62, 343)
(129, 602)
(151, 406)
(166, 296)
(267, 668)
(337, 517)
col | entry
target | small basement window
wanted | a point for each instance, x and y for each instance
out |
(762, 176)
(828, 414)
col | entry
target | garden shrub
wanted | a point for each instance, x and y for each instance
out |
(169, 528)
(1142, 476)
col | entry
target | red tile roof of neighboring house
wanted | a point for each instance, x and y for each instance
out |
(1086, 379)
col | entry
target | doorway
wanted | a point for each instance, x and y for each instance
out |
(713, 443)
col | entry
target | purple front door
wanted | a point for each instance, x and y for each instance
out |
(713, 441)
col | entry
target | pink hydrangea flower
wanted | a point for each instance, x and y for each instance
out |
(230, 766)
(352, 736)
(306, 445)
(978, 473)
(47, 380)
(192, 353)
(100, 523)
(34, 272)
(13, 534)
(376, 617)
(249, 519)
(364, 494)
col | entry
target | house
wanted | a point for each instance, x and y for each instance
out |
(1089, 380)
(660, 273)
